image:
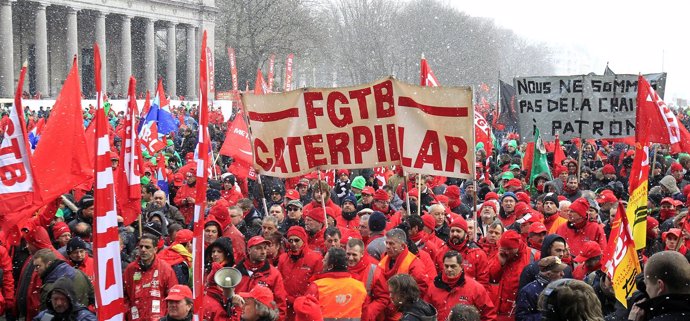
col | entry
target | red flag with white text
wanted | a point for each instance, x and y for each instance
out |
(656, 123)
(236, 144)
(288, 72)
(131, 162)
(271, 63)
(202, 163)
(16, 175)
(108, 287)
(233, 69)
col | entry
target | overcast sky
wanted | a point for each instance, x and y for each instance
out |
(633, 36)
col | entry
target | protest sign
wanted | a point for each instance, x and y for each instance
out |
(387, 122)
(587, 106)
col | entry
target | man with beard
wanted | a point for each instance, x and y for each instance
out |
(256, 271)
(553, 245)
(348, 217)
(186, 196)
(399, 260)
(364, 268)
(382, 203)
(293, 217)
(474, 262)
(62, 305)
(160, 204)
(314, 224)
(550, 269)
(297, 266)
(552, 220)
(505, 270)
(454, 287)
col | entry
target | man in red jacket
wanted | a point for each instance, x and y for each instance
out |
(186, 196)
(146, 282)
(505, 270)
(364, 268)
(399, 260)
(474, 261)
(453, 287)
(257, 270)
(314, 224)
(320, 196)
(297, 266)
(579, 229)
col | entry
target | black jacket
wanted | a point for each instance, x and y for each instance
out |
(529, 273)
(667, 307)
(420, 310)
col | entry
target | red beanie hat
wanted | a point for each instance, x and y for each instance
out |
(429, 221)
(221, 212)
(523, 197)
(381, 195)
(521, 209)
(307, 308)
(491, 204)
(299, 232)
(513, 183)
(452, 192)
(490, 196)
(510, 240)
(580, 206)
(184, 236)
(317, 214)
(60, 228)
(676, 167)
(460, 223)
(651, 224)
(608, 169)
(442, 199)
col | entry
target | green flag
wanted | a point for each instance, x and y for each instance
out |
(539, 162)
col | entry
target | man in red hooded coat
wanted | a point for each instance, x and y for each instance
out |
(505, 270)
(474, 261)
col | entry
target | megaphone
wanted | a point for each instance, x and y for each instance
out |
(228, 278)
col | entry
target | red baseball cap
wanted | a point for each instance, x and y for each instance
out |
(292, 194)
(184, 236)
(179, 292)
(537, 228)
(590, 249)
(178, 179)
(259, 293)
(607, 196)
(368, 190)
(667, 200)
(256, 240)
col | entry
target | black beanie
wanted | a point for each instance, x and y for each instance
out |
(75, 243)
(377, 221)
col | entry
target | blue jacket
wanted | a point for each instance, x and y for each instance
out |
(526, 308)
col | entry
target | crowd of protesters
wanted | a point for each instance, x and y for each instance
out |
(366, 244)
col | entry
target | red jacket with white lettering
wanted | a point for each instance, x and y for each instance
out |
(146, 289)
(466, 291)
(474, 260)
(576, 237)
(375, 284)
(266, 275)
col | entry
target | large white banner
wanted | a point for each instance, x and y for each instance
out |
(424, 129)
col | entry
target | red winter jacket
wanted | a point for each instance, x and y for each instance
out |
(7, 297)
(238, 243)
(375, 284)
(214, 310)
(467, 291)
(146, 289)
(576, 237)
(507, 277)
(85, 266)
(417, 270)
(187, 209)
(231, 195)
(297, 269)
(267, 276)
(474, 260)
(317, 242)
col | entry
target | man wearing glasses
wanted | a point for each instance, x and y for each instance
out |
(297, 266)
(293, 217)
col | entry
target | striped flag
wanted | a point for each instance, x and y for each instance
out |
(201, 158)
(106, 242)
(426, 75)
(271, 63)
(620, 259)
(131, 162)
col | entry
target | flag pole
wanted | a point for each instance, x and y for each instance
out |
(653, 159)
(419, 193)
(323, 202)
(579, 159)
(407, 194)
(473, 171)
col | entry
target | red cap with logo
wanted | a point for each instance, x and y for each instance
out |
(259, 293)
(589, 250)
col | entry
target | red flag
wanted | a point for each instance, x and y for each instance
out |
(558, 153)
(259, 85)
(482, 133)
(271, 62)
(149, 138)
(163, 101)
(656, 123)
(288, 73)
(147, 105)
(61, 160)
(528, 158)
(233, 69)
(201, 154)
(16, 175)
(106, 245)
(427, 76)
(131, 162)
(236, 144)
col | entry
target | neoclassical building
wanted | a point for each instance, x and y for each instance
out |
(132, 36)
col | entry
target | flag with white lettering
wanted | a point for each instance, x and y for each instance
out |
(656, 123)
(106, 243)
(131, 162)
(288, 72)
(620, 259)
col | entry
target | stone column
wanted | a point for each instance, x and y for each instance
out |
(191, 63)
(100, 40)
(171, 71)
(126, 54)
(6, 54)
(42, 84)
(72, 41)
(150, 57)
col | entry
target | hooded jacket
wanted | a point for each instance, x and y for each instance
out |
(530, 272)
(77, 311)
(225, 244)
(507, 276)
(82, 287)
(466, 291)
(266, 275)
(420, 310)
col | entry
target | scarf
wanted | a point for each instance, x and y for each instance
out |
(453, 282)
(179, 248)
(389, 270)
(666, 214)
(252, 266)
